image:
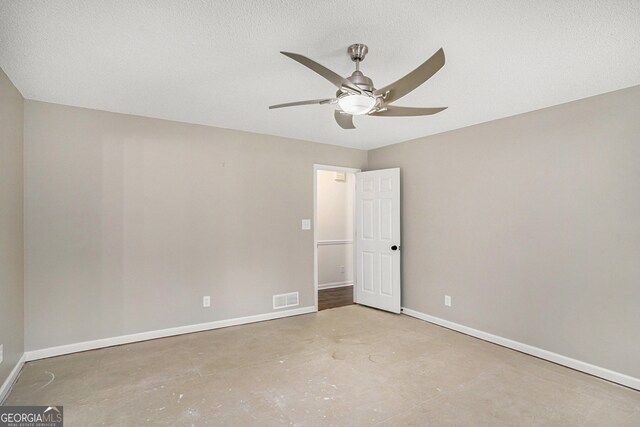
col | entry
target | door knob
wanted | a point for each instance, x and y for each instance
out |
(394, 248)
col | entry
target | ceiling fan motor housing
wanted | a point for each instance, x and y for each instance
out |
(362, 81)
(357, 52)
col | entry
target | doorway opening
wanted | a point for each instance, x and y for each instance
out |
(334, 235)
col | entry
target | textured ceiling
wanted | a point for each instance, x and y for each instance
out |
(217, 62)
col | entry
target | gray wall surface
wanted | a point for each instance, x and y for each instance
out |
(532, 224)
(130, 221)
(11, 226)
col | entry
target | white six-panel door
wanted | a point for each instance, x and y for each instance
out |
(378, 239)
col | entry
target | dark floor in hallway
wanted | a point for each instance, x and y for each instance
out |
(335, 297)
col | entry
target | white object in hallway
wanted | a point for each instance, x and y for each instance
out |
(447, 300)
(306, 224)
(206, 301)
(378, 239)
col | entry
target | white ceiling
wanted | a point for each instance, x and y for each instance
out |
(217, 62)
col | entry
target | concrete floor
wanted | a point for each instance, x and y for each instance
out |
(344, 366)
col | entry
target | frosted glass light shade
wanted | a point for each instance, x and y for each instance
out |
(356, 104)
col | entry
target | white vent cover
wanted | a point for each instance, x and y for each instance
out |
(285, 300)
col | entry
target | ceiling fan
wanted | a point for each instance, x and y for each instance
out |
(356, 94)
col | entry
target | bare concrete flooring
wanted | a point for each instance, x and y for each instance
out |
(344, 366)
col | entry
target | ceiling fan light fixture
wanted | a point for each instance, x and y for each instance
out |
(356, 104)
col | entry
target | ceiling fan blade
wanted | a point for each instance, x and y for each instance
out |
(309, 102)
(424, 72)
(392, 111)
(345, 121)
(333, 77)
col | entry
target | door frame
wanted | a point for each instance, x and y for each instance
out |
(316, 168)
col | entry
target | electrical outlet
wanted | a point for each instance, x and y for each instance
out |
(206, 301)
(306, 224)
(447, 300)
(1, 352)
(342, 269)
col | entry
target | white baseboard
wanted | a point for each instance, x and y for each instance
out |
(334, 285)
(578, 365)
(11, 379)
(143, 336)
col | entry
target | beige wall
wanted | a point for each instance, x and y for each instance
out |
(131, 221)
(335, 222)
(532, 225)
(11, 230)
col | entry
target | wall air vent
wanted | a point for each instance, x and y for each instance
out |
(285, 300)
